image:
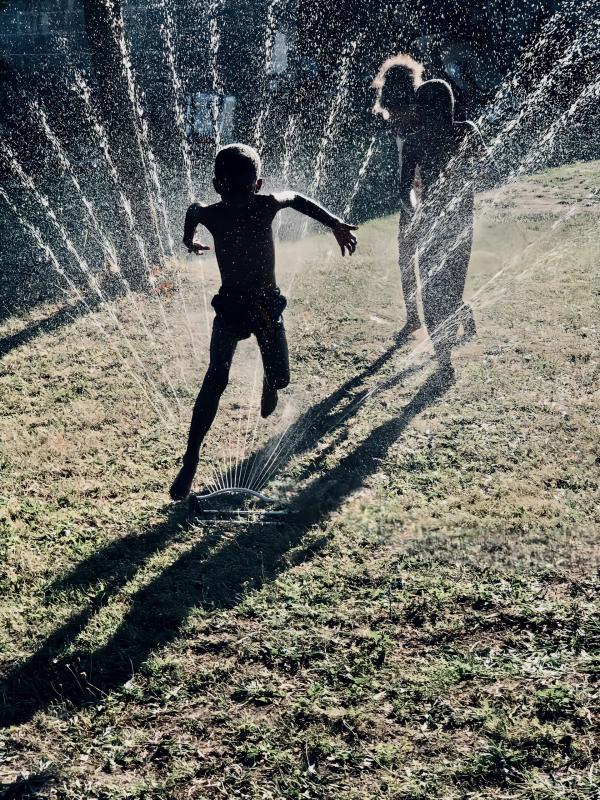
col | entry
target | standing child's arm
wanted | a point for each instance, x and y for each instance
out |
(408, 170)
(340, 229)
(193, 218)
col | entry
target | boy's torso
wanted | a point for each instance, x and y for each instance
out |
(243, 239)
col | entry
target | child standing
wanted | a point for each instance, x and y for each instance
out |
(249, 301)
(451, 157)
(395, 84)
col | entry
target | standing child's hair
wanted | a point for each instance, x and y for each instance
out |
(436, 96)
(395, 83)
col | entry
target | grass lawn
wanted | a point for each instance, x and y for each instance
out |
(425, 624)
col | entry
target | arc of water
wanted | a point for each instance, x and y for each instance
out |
(99, 234)
(590, 92)
(259, 144)
(327, 136)
(96, 229)
(38, 238)
(539, 97)
(504, 95)
(238, 453)
(288, 138)
(102, 139)
(168, 36)
(265, 469)
(214, 44)
(153, 187)
(343, 89)
(330, 127)
(81, 262)
(360, 177)
(243, 478)
(268, 61)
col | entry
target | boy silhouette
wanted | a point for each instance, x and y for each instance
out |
(452, 158)
(248, 302)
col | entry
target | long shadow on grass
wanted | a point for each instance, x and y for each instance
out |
(61, 318)
(28, 788)
(212, 574)
(305, 433)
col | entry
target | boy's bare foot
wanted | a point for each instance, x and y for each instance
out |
(268, 401)
(182, 484)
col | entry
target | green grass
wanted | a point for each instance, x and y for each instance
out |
(427, 626)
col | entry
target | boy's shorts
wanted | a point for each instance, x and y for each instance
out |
(249, 311)
(246, 313)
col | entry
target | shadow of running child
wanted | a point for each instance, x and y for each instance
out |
(212, 573)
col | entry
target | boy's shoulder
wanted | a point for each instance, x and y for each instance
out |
(200, 210)
(274, 199)
(272, 202)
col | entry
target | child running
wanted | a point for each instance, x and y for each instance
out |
(452, 158)
(249, 301)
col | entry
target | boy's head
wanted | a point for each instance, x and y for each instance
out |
(237, 171)
(395, 85)
(435, 101)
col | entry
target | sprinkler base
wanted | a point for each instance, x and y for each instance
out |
(238, 505)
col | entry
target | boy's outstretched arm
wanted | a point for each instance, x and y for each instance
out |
(192, 218)
(340, 229)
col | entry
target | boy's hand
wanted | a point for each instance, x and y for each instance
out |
(345, 238)
(195, 247)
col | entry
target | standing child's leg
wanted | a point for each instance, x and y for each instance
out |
(459, 268)
(439, 304)
(273, 347)
(222, 348)
(408, 278)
